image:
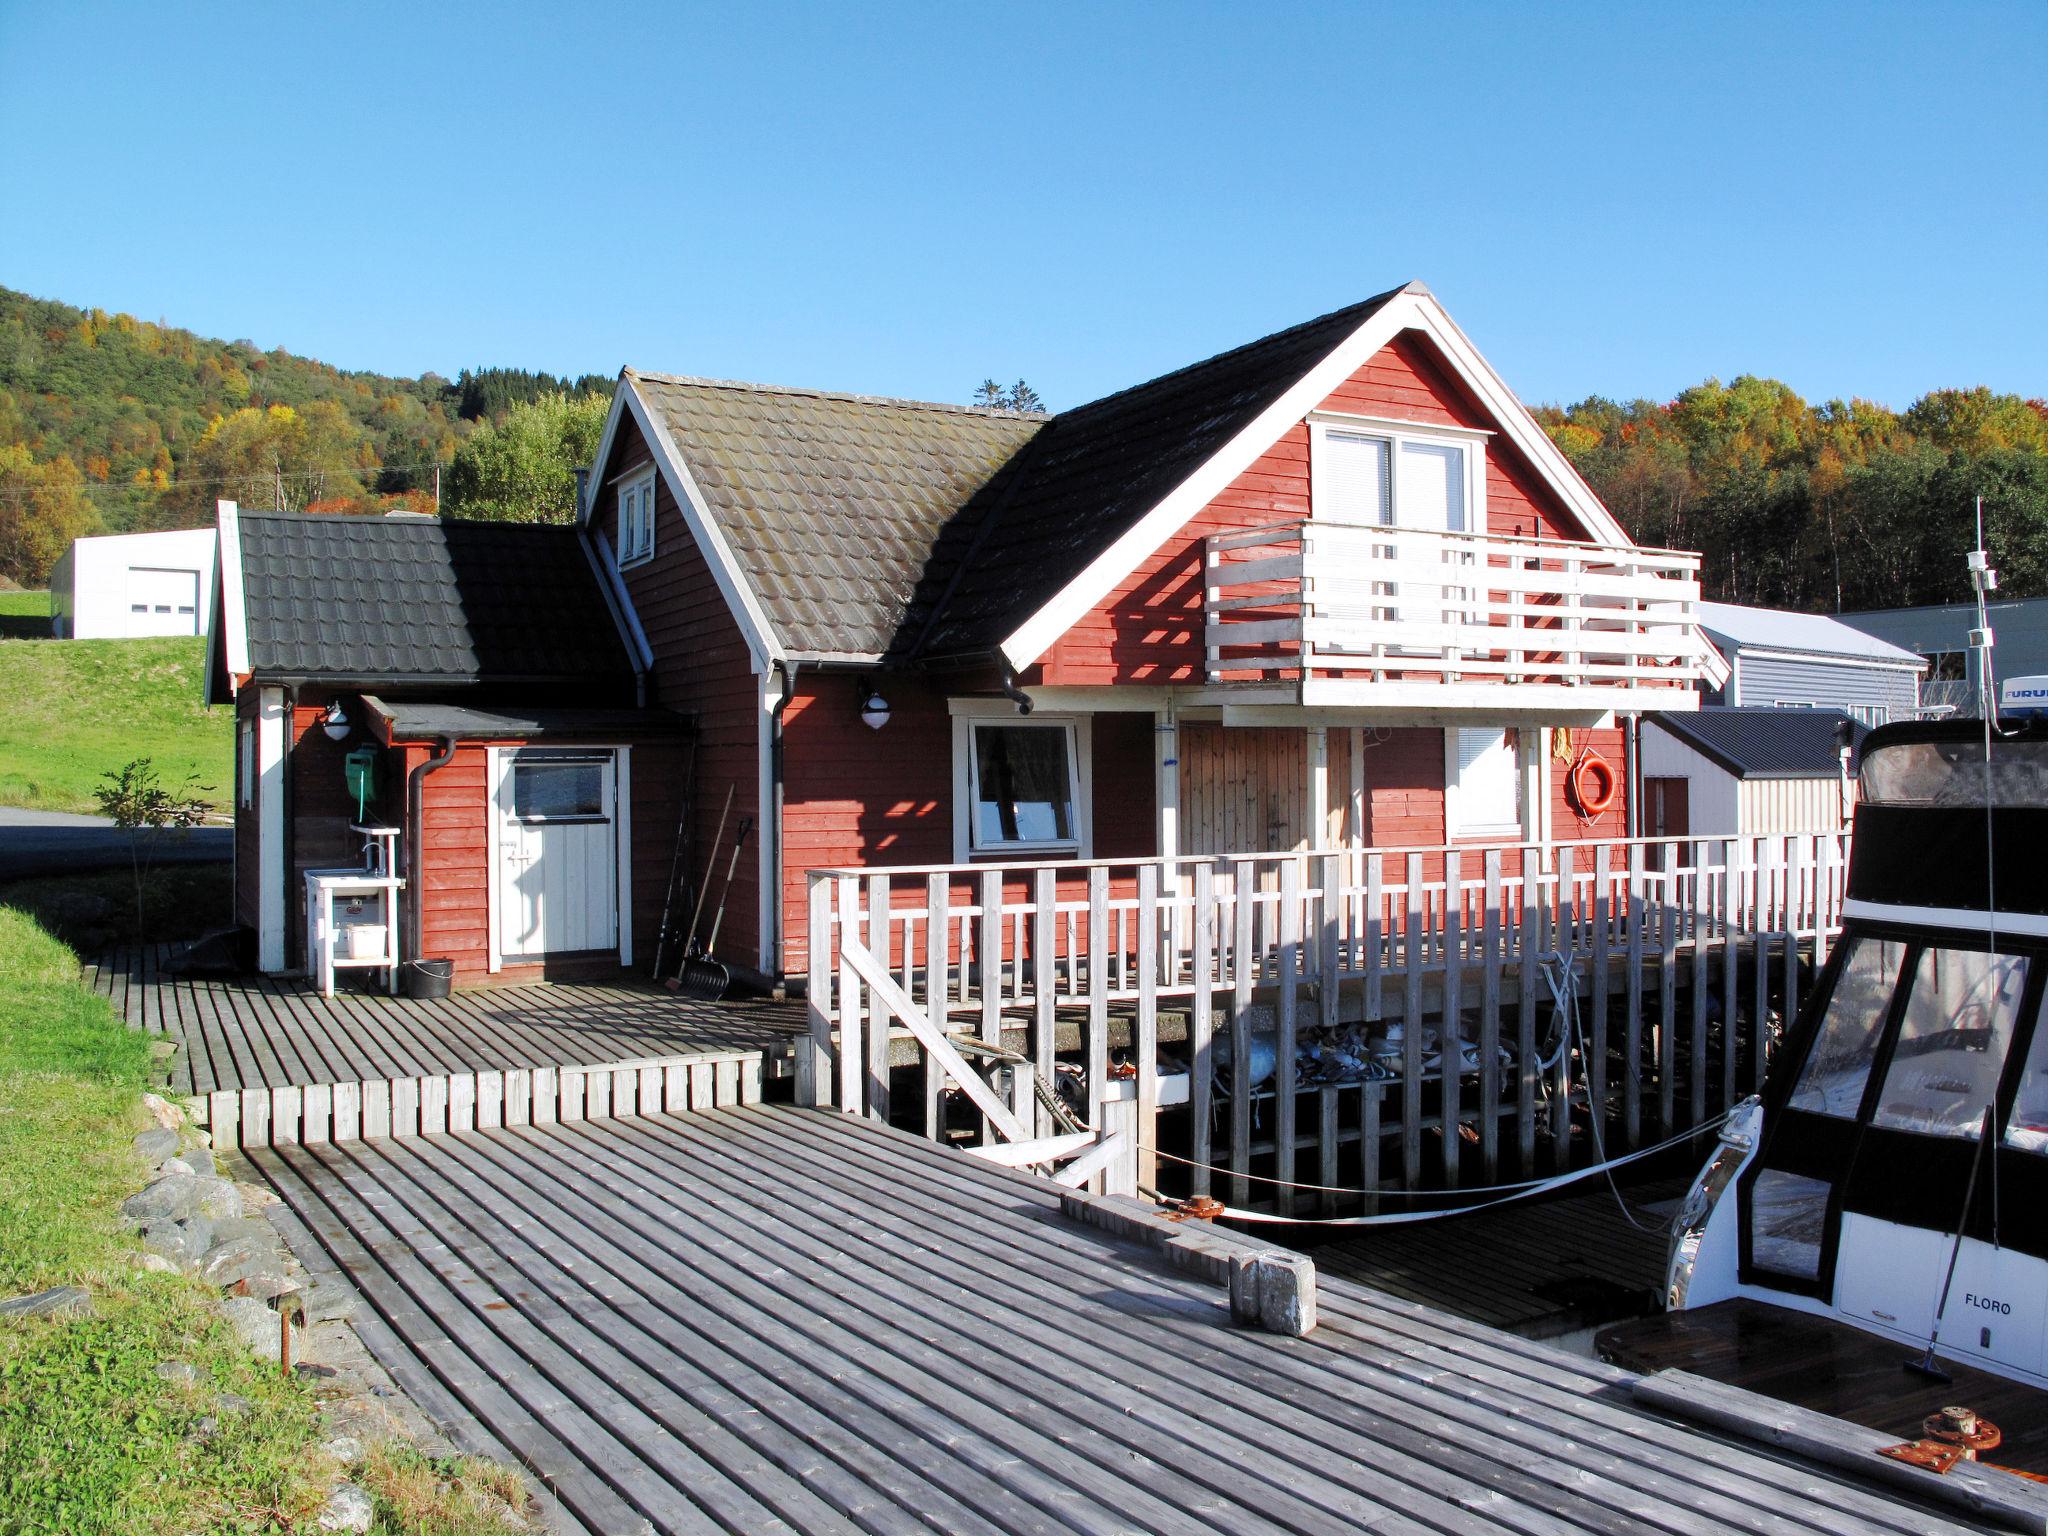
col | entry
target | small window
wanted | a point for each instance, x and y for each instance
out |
(1024, 786)
(636, 519)
(558, 791)
(1838, 1065)
(1485, 798)
(1952, 1042)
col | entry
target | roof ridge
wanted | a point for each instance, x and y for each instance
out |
(996, 413)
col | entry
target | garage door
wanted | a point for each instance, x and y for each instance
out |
(162, 602)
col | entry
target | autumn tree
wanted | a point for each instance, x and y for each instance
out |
(523, 469)
(43, 507)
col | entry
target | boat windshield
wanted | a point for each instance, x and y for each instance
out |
(1952, 773)
(1838, 1066)
(2027, 1130)
(1953, 1039)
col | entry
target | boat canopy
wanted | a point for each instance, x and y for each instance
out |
(1943, 764)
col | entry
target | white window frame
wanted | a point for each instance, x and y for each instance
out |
(1468, 440)
(1455, 825)
(967, 843)
(636, 492)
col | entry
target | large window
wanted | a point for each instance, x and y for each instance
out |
(636, 519)
(1838, 1065)
(1022, 791)
(1483, 783)
(1953, 1038)
(1410, 477)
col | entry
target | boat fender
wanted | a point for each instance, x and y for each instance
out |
(1592, 784)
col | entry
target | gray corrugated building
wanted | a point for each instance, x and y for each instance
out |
(1940, 634)
(1810, 661)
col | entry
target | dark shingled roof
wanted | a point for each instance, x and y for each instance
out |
(1765, 743)
(418, 599)
(870, 526)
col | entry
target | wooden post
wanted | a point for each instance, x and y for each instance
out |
(1045, 892)
(1201, 1075)
(1566, 942)
(1527, 980)
(1286, 1001)
(1632, 1080)
(1451, 1037)
(1145, 1036)
(853, 1073)
(1731, 914)
(878, 1017)
(814, 1055)
(937, 994)
(988, 949)
(1494, 947)
(1330, 950)
(1375, 934)
(1702, 929)
(1097, 1043)
(1411, 1025)
(1603, 954)
(1667, 995)
(1242, 963)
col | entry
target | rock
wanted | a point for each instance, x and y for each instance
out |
(244, 1259)
(232, 1403)
(162, 1050)
(64, 1301)
(166, 1114)
(254, 1324)
(181, 1196)
(183, 1243)
(180, 1372)
(348, 1508)
(255, 1197)
(346, 1449)
(156, 1144)
(328, 1300)
(254, 1227)
(199, 1160)
(155, 1264)
(312, 1372)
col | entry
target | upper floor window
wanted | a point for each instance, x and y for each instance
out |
(636, 519)
(1412, 476)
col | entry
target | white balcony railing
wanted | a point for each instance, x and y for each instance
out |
(1398, 610)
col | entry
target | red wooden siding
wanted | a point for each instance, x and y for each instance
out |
(1404, 788)
(1149, 630)
(1125, 786)
(320, 809)
(701, 667)
(248, 869)
(1565, 820)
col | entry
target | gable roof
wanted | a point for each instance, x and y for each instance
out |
(854, 527)
(1762, 743)
(830, 503)
(1733, 626)
(413, 599)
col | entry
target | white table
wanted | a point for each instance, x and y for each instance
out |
(365, 896)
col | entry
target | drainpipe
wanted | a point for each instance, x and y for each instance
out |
(416, 813)
(772, 832)
(1632, 750)
(1010, 689)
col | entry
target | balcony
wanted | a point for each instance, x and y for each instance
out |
(1374, 616)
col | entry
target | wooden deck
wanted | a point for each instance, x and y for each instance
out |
(277, 1059)
(1539, 1269)
(775, 1318)
(1831, 1368)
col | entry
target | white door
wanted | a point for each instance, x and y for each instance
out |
(162, 602)
(1398, 483)
(557, 852)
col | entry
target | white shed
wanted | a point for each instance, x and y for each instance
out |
(1746, 772)
(126, 584)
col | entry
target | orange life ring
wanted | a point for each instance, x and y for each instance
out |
(1593, 801)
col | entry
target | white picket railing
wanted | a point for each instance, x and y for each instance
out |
(1070, 962)
(1348, 603)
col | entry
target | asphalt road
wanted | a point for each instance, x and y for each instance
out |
(54, 843)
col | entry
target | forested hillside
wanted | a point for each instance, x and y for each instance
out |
(108, 423)
(1828, 507)
(113, 424)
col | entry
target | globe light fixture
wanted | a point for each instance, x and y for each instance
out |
(874, 710)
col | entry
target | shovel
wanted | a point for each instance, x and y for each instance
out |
(703, 977)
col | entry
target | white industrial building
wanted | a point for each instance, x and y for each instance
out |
(126, 584)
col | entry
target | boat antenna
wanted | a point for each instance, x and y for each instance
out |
(1926, 1365)
(1983, 582)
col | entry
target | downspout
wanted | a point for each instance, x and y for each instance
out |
(287, 741)
(1632, 750)
(416, 815)
(1010, 689)
(773, 830)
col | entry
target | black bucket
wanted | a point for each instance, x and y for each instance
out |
(426, 978)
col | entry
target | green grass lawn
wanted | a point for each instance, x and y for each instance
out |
(92, 1441)
(76, 709)
(24, 614)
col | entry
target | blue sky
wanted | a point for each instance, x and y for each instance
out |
(903, 199)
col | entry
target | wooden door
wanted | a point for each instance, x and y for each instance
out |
(558, 854)
(1667, 809)
(1243, 790)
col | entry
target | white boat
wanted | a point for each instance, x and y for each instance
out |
(1862, 1186)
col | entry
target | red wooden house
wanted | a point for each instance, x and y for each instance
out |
(1334, 588)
